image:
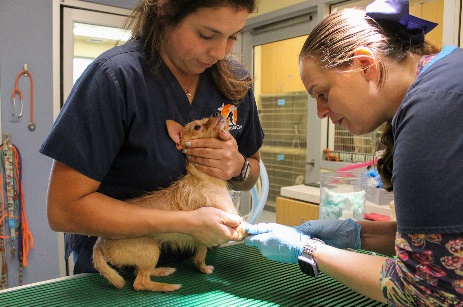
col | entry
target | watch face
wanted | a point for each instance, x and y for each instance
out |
(308, 266)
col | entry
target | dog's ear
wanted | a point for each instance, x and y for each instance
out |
(176, 132)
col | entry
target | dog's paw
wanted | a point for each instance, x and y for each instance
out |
(241, 229)
(155, 286)
(171, 287)
(206, 269)
(162, 271)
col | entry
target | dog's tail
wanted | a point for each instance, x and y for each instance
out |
(99, 262)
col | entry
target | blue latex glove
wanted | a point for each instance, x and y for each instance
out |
(276, 242)
(338, 233)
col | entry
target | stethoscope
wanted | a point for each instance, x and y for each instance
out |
(16, 91)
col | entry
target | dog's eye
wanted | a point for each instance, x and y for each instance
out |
(197, 127)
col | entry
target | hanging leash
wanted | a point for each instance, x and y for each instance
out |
(16, 91)
(3, 267)
(13, 209)
(3, 219)
(3, 271)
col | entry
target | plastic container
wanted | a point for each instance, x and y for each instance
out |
(342, 195)
(347, 214)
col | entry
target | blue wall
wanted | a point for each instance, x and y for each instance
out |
(26, 38)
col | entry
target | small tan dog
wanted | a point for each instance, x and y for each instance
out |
(192, 191)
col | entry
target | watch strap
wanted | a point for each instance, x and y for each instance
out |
(311, 246)
(306, 262)
(244, 171)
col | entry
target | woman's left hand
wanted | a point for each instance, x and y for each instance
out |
(213, 226)
(216, 157)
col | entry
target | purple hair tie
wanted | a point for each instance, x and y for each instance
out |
(398, 11)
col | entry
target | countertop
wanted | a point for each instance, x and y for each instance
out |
(312, 195)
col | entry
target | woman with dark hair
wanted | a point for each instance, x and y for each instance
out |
(365, 68)
(110, 142)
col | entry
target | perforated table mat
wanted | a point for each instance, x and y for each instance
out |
(242, 277)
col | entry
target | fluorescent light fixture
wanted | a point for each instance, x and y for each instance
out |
(100, 32)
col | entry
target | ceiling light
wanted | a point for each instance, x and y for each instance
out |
(100, 32)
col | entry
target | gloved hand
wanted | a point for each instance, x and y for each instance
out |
(337, 233)
(276, 242)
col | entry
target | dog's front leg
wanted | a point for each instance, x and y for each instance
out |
(199, 260)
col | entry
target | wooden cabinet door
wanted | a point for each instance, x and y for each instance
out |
(432, 11)
(292, 212)
(280, 66)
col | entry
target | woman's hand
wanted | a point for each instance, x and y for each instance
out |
(276, 242)
(220, 158)
(216, 157)
(337, 233)
(213, 226)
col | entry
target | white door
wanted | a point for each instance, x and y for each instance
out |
(270, 49)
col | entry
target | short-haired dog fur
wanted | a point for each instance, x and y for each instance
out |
(194, 190)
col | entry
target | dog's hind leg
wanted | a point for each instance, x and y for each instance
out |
(199, 260)
(144, 282)
(162, 271)
(144, 270)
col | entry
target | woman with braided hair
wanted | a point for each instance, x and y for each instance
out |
(364, 68)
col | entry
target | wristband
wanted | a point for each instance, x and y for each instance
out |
(306, 262)
(244, 171)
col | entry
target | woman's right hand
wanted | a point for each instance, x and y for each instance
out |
(213, 226)
(276, 242)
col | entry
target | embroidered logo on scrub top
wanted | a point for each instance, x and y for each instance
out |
(230, 112)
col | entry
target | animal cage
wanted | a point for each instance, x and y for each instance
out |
(354, 148)
(284, 119)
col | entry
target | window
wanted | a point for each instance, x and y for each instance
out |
(87, 34)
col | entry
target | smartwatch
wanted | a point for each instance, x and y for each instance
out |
(306, 262)
(244, 171)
